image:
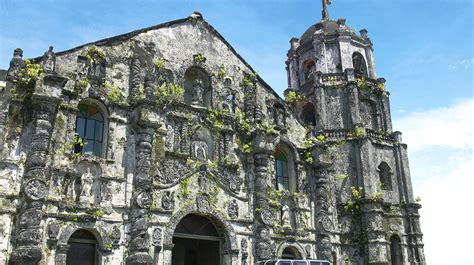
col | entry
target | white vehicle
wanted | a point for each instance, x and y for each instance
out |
(295, 262)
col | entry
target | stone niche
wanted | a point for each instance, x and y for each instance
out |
(89, 178)
(197, 87)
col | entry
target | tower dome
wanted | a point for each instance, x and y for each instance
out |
(328, 47)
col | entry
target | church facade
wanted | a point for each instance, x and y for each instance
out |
(162, 146)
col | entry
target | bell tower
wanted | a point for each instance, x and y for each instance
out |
(327, 57)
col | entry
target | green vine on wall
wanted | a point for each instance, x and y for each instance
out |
(249, 80)
(292, 97)
(93, 51)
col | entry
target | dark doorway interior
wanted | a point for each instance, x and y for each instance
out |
(82, 249)
(196, 242)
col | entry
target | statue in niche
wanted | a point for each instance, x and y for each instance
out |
(49, 60)
(285, 215)
(198, 91)
(199, 150)
(98, 66)
(226, 97)
(87, 179)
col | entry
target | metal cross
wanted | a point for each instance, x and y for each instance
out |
(325, 9)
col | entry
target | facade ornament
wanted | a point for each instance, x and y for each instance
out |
(145, 200)
(53, 230)
(233, 209)
(203, 203)
(267, 217)
(49, 60)
(35, 189)
(167, 201)
(157, 238)
(87, 179)
(199, 150)
(198, 92)
(285, 215)
(115, 235)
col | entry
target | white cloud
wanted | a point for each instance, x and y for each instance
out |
(465, 64)
(451, 126)
(441, 147)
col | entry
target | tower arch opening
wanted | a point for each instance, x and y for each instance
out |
(360, 66)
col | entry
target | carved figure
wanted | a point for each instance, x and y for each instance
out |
(86, 186)
(167, 201)
(49, 60)
(198, 91)
(203, 203)
(16, 63)
(115, 235)
(169, 138)
(199, 150)
(285, 215)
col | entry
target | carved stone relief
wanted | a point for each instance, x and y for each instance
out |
(144, 200)
(167, 201)
(171, 170)
(233, 209)
(202, 202)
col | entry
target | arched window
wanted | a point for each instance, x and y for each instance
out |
(90, 127)
(83, 248)
(385, 176)
(308, 69)
(281, 170)
(395, 250)
(308, 114)
(285, 170)
(358, 61)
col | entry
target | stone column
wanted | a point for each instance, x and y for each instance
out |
(376, 244)
(323, 221)
(263, 216)
(139, 246)
(414, 235)
(353, 94)
(61, 254)
(29, 234)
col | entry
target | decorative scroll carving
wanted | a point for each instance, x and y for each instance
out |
(171, 170)
(35, 189)
(115, 235)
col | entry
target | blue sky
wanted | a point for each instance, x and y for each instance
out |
(424, 49)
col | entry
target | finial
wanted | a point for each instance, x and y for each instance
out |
(325, 9)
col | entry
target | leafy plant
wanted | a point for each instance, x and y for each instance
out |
(114, 94)
(292, 97)
(361, 83)
(321, 139)
(216, 120)
(357, 132)
(184, 191)
(82, 84)
(199, 58)
(269, 129)
(248, 147)
(242, 121)
(381, 87)
(221, 72)
(249, 80)
(169, 93)
(159, 63)
(93, 51)
(28, 75)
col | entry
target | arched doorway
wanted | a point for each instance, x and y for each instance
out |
(83, 248)
(395, 250)
(290, 253)
(196, 242)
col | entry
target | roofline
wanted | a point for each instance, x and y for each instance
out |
(168, 24)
